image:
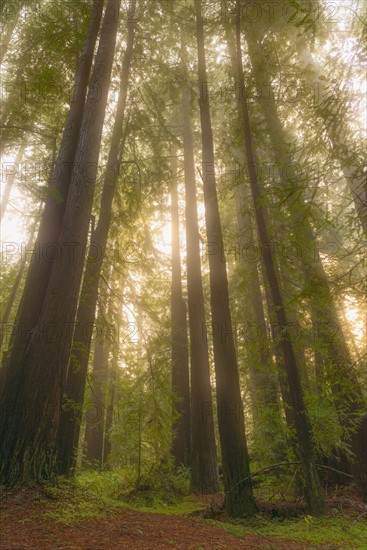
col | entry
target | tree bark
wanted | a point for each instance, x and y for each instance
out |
(293, 319)
(95, 415)
(239, 497)
(263, 374)
(312, 490)
(181, 440)
(110, 401)
(77, 373)
(28, 437)
(204, 468)
(41, 265)
(341, 374)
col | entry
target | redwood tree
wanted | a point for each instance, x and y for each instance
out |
(204, 474)
(311, 484)
(341, 374)
(181, 442)
(40, 268)
(77, 374)
(33, 386)
(239, 497)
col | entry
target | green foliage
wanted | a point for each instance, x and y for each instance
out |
(89, 496)
(7, 277)
(334, 528)
(156, 487)
(38, 80)
(327, 430)
(268, 427)
(38, 77)
(100, 494)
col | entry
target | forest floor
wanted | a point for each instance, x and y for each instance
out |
(49, 520)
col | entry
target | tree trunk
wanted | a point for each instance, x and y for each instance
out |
(279, 358)
(181, 441)
(77, 373)
(95, 415)
(110, 402)
(28, 437)
(112, 345)
(263, 376)
(341, 374)
(204, 468)
(312, 489)
(41, 265)
(293, 319)
(239, 498)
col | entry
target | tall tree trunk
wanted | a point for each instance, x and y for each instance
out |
(34, 386)
(77, 373)
(181, 441)
(10, 182)
(312, 489)
(341, 373)
(263, 376)
(289, 411)
(110, 402)
(96, 409)
(294, 324)
(204, 469)
(113, 342)
(279, 359)
(41, 265)
(239, 498)
(262, 373)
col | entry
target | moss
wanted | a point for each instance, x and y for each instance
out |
(333, 528)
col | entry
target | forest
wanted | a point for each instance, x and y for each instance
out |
(184, 272)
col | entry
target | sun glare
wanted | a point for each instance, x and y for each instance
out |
(13, 229)
(356, 320)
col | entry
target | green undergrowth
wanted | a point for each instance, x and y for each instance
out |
(159, 490)
(103, 494)
(86, 497)
(334, 530)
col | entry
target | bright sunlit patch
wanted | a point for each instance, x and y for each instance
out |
(161, 235)
(165, 239)
(13, 229)
(12, 225)
(356, 319)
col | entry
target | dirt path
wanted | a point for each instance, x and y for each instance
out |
(23, 527)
